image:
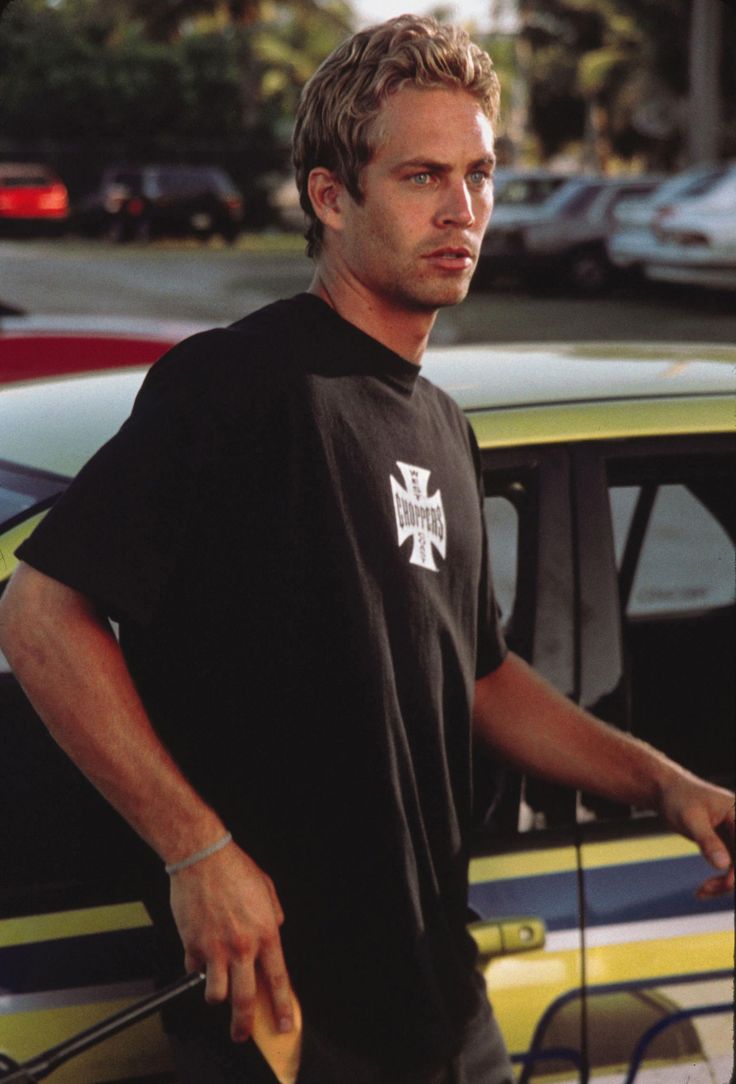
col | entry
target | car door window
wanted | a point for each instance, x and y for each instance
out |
(528, 518)
(686, 559)
(675, 557)
(502, 525)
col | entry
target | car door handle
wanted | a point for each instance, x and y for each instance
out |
(501, 937)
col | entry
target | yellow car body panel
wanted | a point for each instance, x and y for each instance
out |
(521, 983)
(57, 925)
(604, 421)
(139, 1051)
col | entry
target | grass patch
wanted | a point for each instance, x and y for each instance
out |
(271, 243)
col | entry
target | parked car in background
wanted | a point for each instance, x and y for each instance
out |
(31, 196)
(283, 203)
(608, 472)
(514, 189)
(695, 241)
(139, 202)
(564, 237)
(631, 239)
(35, 346)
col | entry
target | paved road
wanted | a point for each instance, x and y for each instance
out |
(203, 282)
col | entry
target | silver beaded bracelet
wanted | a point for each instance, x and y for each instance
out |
(185, 863)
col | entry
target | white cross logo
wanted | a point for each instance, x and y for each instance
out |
(419, 516)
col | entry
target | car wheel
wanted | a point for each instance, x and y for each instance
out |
(588, 272)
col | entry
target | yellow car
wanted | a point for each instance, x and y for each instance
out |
(609, 475)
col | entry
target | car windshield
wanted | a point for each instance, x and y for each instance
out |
(576, 199)
(699, 186)
(181, 182)
(530, 191)
(128, 179)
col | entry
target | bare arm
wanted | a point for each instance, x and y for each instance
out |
(540, 731)
(226, 909)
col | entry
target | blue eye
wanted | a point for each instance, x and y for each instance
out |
(478, 177)
(421, 179)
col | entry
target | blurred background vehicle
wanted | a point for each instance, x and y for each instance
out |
(631, 240)
(31, 197)
(562, 237)
(138, 202)
(514, 189)
(33, 346)
(696, 239)
(283, 203)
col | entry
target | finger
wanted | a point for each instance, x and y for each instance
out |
(216, 985)
(193, 962)
(727, 831)
(273, 969)
(716, 886)
(242, 999)
(708, 839)
(275, 903)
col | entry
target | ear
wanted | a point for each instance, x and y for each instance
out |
(326, 194)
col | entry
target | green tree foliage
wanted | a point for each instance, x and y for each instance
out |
(86, 82)
(613, 76)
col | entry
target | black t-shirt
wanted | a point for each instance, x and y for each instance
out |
(289, 531)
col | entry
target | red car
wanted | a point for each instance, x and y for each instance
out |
(45, 346)
(30, 194)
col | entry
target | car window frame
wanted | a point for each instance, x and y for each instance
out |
(541, 626)
(603, 674)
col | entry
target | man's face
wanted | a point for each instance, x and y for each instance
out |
(414, 240)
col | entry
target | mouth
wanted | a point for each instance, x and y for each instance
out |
(453, 257)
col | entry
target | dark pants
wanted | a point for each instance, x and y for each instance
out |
(212, 1058)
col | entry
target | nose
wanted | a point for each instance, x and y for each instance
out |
(457, 207)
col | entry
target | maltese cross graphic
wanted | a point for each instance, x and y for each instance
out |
(419, 516)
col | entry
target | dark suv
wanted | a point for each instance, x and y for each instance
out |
(136, 202)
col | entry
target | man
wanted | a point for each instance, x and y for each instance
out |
(301, 677)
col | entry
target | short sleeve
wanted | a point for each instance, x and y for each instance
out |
(116, 533)
(492, 648)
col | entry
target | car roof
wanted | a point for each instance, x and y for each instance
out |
(514, 394)
(14, 169)
(519, 374)
(541, 392)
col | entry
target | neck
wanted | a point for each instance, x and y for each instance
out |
(404, 331)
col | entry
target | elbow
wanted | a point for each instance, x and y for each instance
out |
(13, 619)
(24, 615)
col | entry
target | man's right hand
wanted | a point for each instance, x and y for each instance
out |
(228, 916)
(70, 664)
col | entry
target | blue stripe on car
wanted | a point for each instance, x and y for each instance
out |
(89, 960)
(552, 896)
(614, 894)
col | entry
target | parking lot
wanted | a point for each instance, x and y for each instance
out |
(216, 283)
